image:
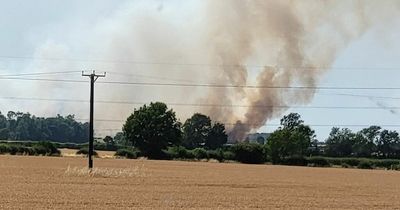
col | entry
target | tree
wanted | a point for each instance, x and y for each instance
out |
(196, 131)
(365, 141)
(3, 127)
(292, 139)
(24, 126)
(291, 121)
(340, 142)
(120, 139)
(109, 140)
(152, 128)
(388, 144)
(217, 137)
(260, 140)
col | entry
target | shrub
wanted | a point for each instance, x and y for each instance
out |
(179, 152)
(14, 149)
(318, 162)
(351, 161)
(228, 155)
(40, 148)
(249, 153)
(127, 153)
(365, 164)
(44, 148)
(386, 163)
(85, 151)
(216, 154)
(4, 148)
(335, 161)
(295, 161)
(396, 167)
(345, 165)
(200, 153)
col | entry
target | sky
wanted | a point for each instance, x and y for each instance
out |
(83, 35)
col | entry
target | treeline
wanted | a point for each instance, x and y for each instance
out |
(154, 132)
(369, 142)
(24, 126)
(153, 128)
(31, 148)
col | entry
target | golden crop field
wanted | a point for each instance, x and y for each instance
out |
(60, 183)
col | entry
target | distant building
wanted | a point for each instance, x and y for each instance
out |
(260, 138)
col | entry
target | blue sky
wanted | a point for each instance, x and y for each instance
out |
(28, 27)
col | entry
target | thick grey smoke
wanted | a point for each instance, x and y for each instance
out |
(296, 41)
(235, 42)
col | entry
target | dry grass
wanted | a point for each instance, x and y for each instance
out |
(47, 183)
(72, 153)
(134, 171)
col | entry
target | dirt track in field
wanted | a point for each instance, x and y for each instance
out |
(41, 183)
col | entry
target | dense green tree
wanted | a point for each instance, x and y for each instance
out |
(217, 137)
(365, 141)
(249, 153)
(388, 144)
(293, 138)
(24, 126)
(108, 140)
(340, 142)
(196, 131)
(120, 139)
(152, 128)
(4, 132)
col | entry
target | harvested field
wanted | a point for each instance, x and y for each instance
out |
(51, 183)
(72, 153)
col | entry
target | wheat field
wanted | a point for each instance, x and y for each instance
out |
(64, 183)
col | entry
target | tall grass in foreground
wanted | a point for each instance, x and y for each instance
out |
(134, 171)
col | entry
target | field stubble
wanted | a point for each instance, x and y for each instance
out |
(58, 183)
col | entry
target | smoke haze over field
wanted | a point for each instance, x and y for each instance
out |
(234, 42)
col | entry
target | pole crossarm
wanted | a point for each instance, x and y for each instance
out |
(93, 78)
(94, 74)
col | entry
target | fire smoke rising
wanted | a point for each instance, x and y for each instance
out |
(235, 42)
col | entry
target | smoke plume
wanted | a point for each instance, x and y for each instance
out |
(266, 43)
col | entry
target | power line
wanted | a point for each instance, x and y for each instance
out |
(42, 79)
(248, 86)
(206, 85)
(193, 64)
(150, 77)
(268, 125)
(364, 96)
(38, 74)
(202, 105)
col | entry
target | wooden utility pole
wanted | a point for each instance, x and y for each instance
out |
(93, 77)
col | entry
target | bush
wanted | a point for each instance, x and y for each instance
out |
(200, 153)
(396, 167)
(388, 164)
(345, 165)
(216, 154)
(318, 162)
(85, 151)
(295, 161)
(179, 152)
(335, 161)
(365, 164)
(351, 161)
(44, 148)
(4, 148)
(228, 155)
(249, 153)
(127, 153)
(40, 148)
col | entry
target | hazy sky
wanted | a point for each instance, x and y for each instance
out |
(77, 32)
